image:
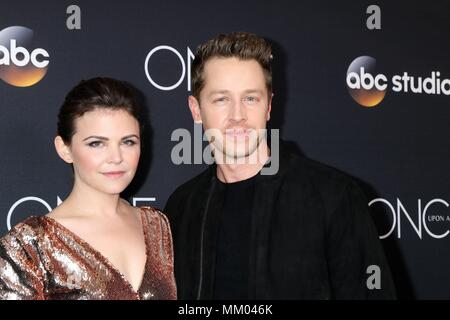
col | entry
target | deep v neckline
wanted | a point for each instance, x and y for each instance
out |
(102, 257)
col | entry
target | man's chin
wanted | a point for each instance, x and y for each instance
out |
(237, 155)
(234, 156)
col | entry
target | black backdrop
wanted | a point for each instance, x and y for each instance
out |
(397, 150)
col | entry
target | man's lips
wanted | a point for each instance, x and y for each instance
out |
(237, 132)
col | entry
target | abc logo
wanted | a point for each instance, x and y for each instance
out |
(20, 65)
(366, 89)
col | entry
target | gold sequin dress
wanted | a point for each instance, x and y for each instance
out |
(41, 259)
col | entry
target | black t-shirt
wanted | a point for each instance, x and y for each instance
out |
(233, 241)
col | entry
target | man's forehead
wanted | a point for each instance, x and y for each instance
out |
(243, 90)
(219, 60)
(236, 70)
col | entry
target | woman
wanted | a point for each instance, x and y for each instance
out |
(94, 245)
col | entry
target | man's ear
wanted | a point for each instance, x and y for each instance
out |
(63, 150)
(194, 106)
(269, 107)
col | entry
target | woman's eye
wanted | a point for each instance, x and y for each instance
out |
(95, 144)
(130, 142)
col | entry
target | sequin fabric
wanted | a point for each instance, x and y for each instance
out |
(42, 260)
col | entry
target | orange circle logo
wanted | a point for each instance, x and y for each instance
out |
(366, 88)
(20, 64)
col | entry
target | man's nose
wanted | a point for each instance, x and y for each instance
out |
(238, 112)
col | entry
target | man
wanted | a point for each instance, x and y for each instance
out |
(301, 233)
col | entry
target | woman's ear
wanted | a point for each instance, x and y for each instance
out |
(63, 150)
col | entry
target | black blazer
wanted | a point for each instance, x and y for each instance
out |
(311, 236)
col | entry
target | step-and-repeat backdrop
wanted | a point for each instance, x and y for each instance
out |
(361, 86)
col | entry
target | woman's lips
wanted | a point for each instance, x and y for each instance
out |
(114, 174)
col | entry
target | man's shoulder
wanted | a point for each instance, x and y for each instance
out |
(309, 173)
(302, 167)
(325, 182)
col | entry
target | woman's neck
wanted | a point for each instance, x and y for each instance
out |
(86, 201)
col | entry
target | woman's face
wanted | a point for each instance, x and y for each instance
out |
(105, 150)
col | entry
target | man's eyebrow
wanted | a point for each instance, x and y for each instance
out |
(253, 91)
(218, 92)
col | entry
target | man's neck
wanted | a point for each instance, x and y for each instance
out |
(249, 167)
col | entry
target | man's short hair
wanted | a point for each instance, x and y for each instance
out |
(241, 45)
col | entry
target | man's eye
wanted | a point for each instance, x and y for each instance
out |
(220, 100)
(95, 144)
(251, 99)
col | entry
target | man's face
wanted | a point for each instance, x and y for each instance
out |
(234, 106)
